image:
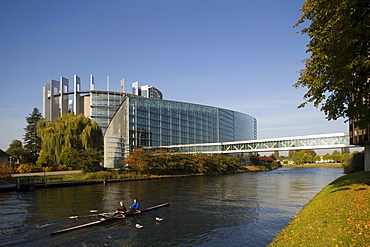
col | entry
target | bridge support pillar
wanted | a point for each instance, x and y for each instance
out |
(367, 157)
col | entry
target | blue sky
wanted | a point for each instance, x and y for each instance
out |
(242, 55)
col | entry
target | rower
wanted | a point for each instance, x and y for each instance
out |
(135, 206)
(121, 210)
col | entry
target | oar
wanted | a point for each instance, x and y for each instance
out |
(90, 215)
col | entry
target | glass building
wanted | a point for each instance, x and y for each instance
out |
(99, 105)
(149, 122)
(103, 105)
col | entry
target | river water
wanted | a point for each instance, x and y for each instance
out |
(247, 209)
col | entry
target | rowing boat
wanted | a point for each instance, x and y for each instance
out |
(109, 219)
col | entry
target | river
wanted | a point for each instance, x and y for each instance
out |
(247, 209)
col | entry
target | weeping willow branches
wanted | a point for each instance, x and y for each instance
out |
(68, 135)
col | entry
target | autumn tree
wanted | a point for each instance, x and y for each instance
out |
(161, 162)
(339, 65)
(138, 160)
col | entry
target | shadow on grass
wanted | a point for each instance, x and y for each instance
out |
(344, 182)
(341, 189)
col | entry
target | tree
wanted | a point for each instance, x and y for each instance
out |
(88, 160)
(43, 159)
(328, 157)
(291, 153)
(70, 135)
(299, 157)
(17, 152)
(309, 156)
(32, 141)
(336, 156)
(346, 151)
(356, 164)
(138, 160)
(339, 64)
(276, 155)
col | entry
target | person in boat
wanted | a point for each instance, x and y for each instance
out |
(134, 206)
(121, 210)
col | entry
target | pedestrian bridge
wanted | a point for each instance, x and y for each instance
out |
(323, 141)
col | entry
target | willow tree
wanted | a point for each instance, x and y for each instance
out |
(339, 65)
(68, 137)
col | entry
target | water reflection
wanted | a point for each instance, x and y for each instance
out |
(235, 210)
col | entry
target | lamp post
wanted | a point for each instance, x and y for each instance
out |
(44, 165)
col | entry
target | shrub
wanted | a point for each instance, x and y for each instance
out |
(25, 168)
(48, 169)
(101, 175)
(356, 164)
(62, 168)
(5, 171)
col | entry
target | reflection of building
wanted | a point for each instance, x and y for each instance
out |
(99, 105)
(148, 122)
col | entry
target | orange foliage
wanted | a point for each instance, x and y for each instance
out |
(5, 171)
(138, 160)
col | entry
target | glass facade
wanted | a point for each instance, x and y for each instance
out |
(145, 122)
(103, 105)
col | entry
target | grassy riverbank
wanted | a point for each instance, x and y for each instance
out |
(92, 176)
(314, 165)
(339, 215)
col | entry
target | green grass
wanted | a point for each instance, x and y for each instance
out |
(33, 178)
(314, 165)
(337, 216)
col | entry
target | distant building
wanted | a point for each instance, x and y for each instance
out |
(322, 160)
(4, 158)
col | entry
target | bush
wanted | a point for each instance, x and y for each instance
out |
(356, 164)
(25, 168)
(62, 168)
(101, 175)
(5, 171)
(48, 169)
